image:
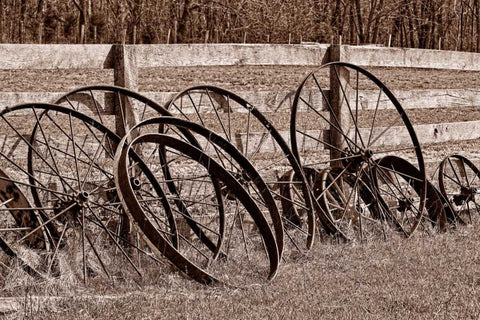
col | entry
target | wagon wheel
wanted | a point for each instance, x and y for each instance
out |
(458, 180)
(399, 184)
(291, 193)
(65, 171)
(343, 116)
(248, 253)
(350, 203)
(223, 152)
(246, 128)
(101, 100)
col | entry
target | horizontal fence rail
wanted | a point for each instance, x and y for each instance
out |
(125, 60)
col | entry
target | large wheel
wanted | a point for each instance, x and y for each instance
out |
(62, 162)
(344, 116)
(459, 182)
(245, 127)
(244, 253)
(221, 151)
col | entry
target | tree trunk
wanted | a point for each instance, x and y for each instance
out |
(360, 30)
(182, 32)
(477, 16)
(2, 18)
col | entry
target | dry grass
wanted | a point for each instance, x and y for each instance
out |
(426, 277)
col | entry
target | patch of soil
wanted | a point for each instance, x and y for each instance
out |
(260, 78)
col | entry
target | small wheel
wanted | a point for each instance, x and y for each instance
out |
(62, 161)
(459, 183)
(244, 252)
(399, 185)
(244, 126)
(350, 203)
(343, 116)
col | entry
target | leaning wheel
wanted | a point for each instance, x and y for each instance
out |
(224, 153)
(459, 182)
(62, 162)
(350, 203)
(217, 204)
(344, 116)
(244, 126)
(399, 185)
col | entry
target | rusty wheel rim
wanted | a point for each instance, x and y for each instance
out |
(458, 180)
(189, 256)
(65, 171)
(364, 131)
(223, 152)
(100, 101)
(222, 112)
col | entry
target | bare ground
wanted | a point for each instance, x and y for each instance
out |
(264, 78)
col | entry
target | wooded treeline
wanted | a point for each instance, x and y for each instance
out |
(444, 24)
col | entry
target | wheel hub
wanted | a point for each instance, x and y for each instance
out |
(466, 195)
(405, 204)
(357, 160)
(135, 183)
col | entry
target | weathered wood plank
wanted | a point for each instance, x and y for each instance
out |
(410, 58)
(55, 56)
(398, 135)
(281, 101)
(428, 133)
(64, 56)
(230, 54)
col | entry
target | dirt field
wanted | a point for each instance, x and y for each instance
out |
(426, 277)
(265, 78)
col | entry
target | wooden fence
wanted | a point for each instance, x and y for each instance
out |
(125, 60)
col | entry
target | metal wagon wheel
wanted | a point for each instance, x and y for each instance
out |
(244, 126)
(245, 254)
(350, 203)
(344, 116)
(224, 153)
(65, 171)
(459, 183)
(400, 185)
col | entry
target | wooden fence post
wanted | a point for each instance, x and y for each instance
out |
(125, 73)
(339, 81)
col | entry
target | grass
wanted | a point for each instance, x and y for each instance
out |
(426, 277)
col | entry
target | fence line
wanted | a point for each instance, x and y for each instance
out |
(102, 56)
(126, 60)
